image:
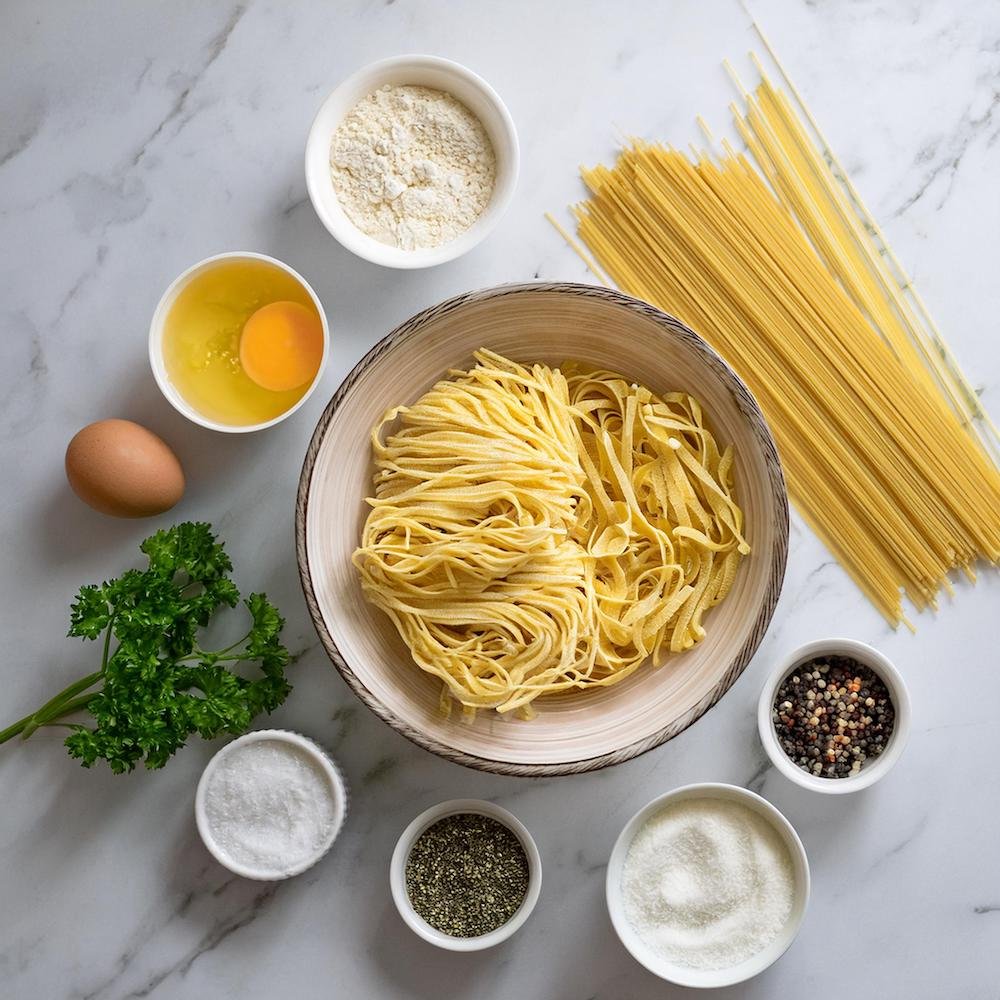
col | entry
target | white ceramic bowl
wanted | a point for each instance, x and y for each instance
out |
(156, 360)
(397, 874)
(315, 753)
(414, 70)
(707, 978)
(540, 322)
(872, 770)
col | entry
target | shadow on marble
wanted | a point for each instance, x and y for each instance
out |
(417, 968)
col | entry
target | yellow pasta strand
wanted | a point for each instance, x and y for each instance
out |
(536, 530)
(781, 276)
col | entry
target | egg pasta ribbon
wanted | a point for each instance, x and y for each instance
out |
(536, 530)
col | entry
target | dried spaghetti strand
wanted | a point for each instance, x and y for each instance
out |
(767, 267)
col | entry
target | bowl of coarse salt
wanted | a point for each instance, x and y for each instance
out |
(707, 885)
(411, 161)
(270, 804)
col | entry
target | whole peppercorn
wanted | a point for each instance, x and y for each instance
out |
(840, 718)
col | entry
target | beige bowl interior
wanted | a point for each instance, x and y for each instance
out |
(548, 323)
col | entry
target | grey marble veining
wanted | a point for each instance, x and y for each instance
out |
(137, 138)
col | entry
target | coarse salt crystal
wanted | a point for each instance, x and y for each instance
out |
(707, 883)
(270, 806)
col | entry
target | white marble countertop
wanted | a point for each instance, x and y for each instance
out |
(137, 138)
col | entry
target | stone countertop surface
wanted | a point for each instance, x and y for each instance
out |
(138, 138)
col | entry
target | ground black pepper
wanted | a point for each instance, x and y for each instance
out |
(831, 714)
(467, 874)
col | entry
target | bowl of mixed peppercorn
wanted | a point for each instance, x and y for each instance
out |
(465, 875)
(834, 716)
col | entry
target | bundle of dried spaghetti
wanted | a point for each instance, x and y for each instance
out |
(876, 460)
(532, 532)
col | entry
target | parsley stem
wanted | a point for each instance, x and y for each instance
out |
(11, 731)
(199, 654)
(239, 642)
(107, 641)
(74, 705)
(50, 710)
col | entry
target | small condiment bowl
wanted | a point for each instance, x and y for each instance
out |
(397, 874)
(315, 753)
(413, 70)
(707, 978)
(158, 322)
(872, 770)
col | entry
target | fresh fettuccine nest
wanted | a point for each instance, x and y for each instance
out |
(536, 530)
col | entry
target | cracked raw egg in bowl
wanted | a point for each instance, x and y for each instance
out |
(238, 342)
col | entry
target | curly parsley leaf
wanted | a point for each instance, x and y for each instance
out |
(157, 685)
(90, 613)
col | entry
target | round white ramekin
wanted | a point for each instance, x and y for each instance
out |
(872, 770)
(414, 70)
(319, 756)
(397, 874)
(156, 325)
(707, 978)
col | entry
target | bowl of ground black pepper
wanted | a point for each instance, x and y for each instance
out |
(465, 875)
(834, 716)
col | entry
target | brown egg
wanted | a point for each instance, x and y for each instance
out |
(122, 469)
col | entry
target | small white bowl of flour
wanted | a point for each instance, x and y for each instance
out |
(707, 885)
(270, 804)
(411, 161)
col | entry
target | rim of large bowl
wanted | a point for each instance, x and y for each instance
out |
(746, 403)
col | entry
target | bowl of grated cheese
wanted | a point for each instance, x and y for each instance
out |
(411, 161)
(707, 885)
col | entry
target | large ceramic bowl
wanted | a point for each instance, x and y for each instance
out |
(548, 323)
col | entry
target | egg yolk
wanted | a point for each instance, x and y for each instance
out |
(281, 346)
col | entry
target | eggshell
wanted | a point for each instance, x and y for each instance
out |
(120, 468)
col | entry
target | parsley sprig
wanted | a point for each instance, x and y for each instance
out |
(156, 685)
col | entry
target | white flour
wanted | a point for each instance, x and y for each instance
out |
(412, 167)
(269, 806)
(707, 883)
